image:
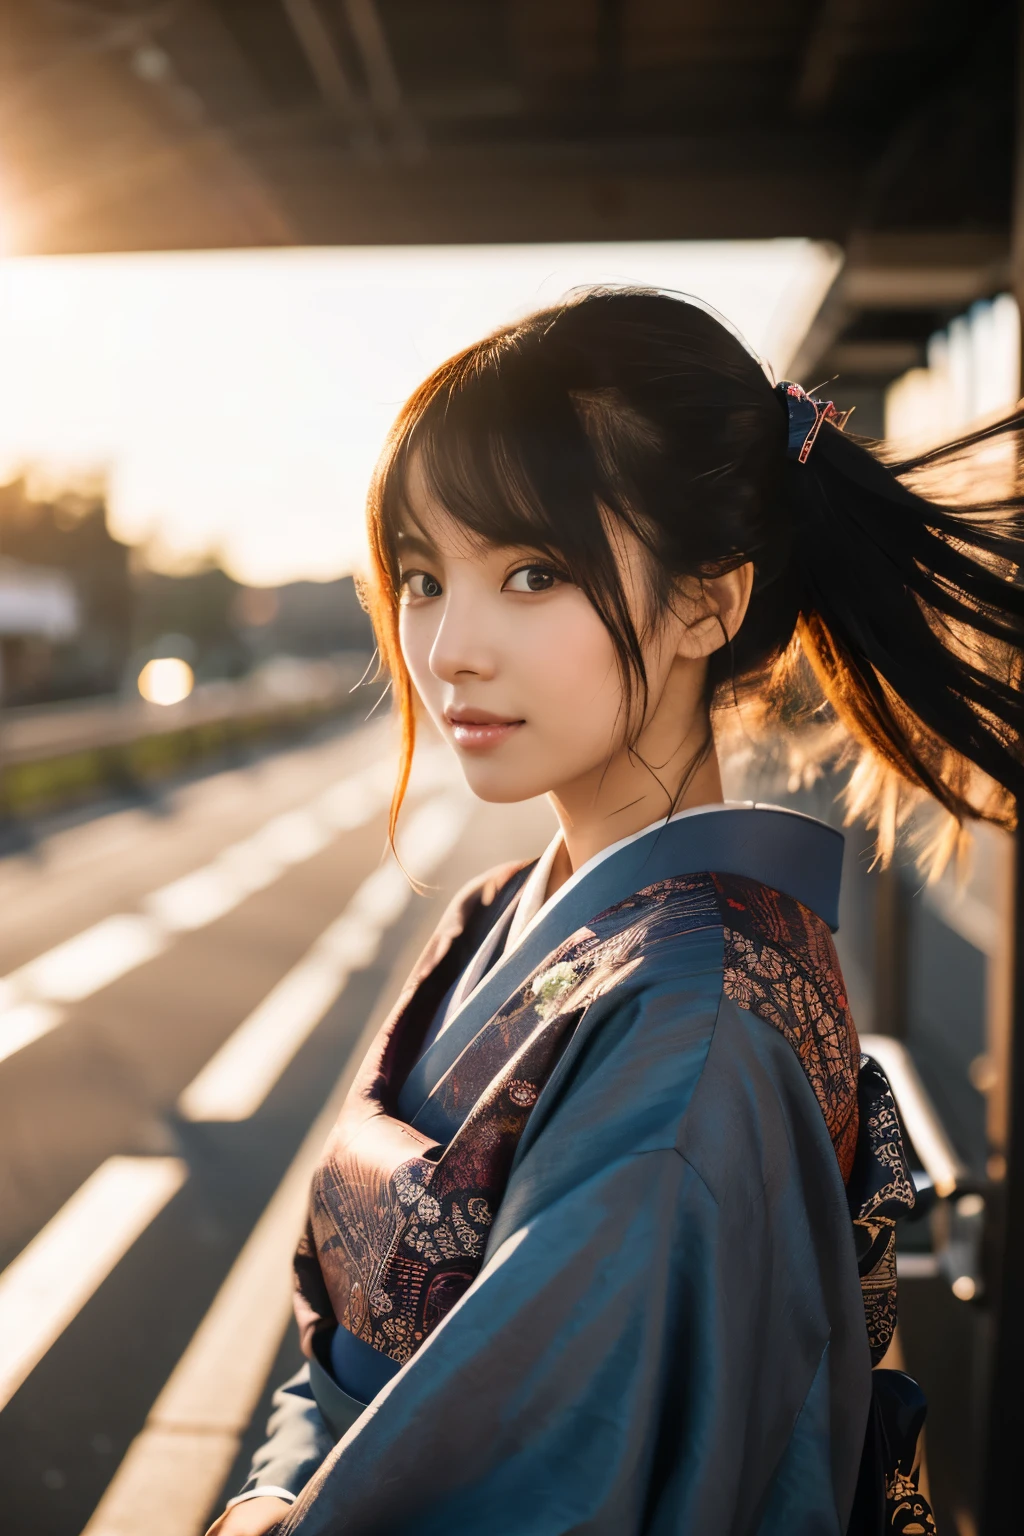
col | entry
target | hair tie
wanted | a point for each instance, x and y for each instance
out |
(805, 418)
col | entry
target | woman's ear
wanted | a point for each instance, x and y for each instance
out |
(719, 606)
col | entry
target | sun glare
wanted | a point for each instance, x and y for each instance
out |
(235, 402)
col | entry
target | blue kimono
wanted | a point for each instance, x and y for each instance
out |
(612, 1253)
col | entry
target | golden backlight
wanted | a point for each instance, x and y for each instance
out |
(235, 402)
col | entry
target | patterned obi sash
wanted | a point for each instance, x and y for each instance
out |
(398, 1222)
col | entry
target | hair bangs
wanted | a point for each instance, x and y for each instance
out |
(508, 469)
(516, 457)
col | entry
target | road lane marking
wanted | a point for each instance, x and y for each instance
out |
(51, 1280)
(237, 1078)
(234, 1083)
(176, 1466)
(89, 961)
(26, 1022)
(30, 997)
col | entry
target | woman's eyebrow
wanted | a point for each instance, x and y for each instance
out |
(414, 544)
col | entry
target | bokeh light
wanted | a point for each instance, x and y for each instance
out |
(166, 680)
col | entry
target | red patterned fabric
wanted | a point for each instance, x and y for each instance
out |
(398, 1223)
(781, 963)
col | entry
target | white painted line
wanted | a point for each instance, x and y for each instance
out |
(30, 997)
(91, 960)
(381, 899)
(197, 899)
(176, 1466)
(52, 1279)
(255, 862)
(236, 1080)
(26, 1022)
(432, 831)
(295, 836)
(350, 804)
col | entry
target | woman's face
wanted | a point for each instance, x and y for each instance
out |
(514, 665)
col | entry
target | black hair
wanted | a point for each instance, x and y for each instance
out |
(646, 407)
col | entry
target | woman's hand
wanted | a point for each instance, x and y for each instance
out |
(253, 1518)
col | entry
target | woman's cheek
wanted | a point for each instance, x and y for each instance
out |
(573, 673)
(416, 636)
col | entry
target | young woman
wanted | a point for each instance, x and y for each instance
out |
(603, 1238)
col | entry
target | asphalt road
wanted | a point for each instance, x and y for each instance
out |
(122, 984)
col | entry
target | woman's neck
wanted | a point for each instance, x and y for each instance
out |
(627, 797)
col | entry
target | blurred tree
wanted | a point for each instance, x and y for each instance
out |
(68, 534)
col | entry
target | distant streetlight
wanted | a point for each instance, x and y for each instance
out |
(166, 680)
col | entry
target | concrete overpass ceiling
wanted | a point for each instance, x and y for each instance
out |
(885, 125)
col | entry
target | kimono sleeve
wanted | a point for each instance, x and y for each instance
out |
(649, 1351)
(297, 1441)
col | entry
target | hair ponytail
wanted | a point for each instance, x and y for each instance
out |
(911, 615)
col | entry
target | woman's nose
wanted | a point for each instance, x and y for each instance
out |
(461, 646)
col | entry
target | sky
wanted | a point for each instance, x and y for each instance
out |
(235, 402)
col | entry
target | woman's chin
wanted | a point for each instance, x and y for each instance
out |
(499, 783)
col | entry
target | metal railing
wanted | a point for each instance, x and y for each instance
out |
(53, 753)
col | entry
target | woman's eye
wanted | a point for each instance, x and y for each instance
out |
(420, 584)
(531, 578)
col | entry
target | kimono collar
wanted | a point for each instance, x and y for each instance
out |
(785, 850)
(532, 905)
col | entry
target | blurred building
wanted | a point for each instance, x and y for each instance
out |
(971, 371)
(304, 618)
(223, 628)
(64, 561)
(80, 613)
(38, 611)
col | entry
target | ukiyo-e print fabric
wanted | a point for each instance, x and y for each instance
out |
(612, 1205)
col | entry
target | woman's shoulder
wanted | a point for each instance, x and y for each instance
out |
(697, 942)
(780, 963)
(763, 932)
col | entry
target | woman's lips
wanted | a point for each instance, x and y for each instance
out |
(479, 733)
